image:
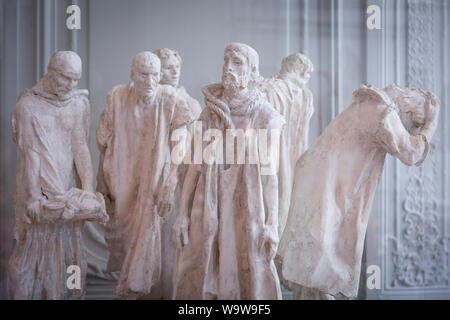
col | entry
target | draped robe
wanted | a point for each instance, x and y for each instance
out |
(334, 186)
(229, 206)
(168, 246)
(43, 129)
(134, 140)
(295, 103)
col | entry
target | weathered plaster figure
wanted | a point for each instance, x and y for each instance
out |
(226, 231)
(335, 182)
(54, 192)
(170, 75)
(288, 94)
(136, 173)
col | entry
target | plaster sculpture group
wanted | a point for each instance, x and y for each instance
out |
(218, 228)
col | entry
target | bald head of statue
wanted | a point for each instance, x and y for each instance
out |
(63, 72)
(145, 73)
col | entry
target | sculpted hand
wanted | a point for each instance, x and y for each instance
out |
(431, 114)
(180, 231)
(431, 109)
(165, 197)
(33, 212)
(269, 241)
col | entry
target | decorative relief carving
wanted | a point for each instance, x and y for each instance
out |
(420, 253)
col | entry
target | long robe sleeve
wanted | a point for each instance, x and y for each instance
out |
(270, 181)
(24, 136)
(82, 156)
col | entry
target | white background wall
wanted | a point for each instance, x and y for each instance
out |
(412, 48)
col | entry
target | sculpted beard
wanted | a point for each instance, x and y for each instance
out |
(234, 81)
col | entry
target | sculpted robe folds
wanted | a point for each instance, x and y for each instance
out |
(193, 104)
(295, 102)
(334, 186)
(134, 140)
(44, 129)
(168, 246)
(229, 208)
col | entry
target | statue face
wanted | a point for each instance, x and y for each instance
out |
(235, 71)
(146, 78)
(61, 84)
(170, 71)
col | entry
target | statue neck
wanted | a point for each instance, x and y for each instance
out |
(235, 95)
(47, 86)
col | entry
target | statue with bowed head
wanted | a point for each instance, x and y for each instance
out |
(54, 192)
(335, 182)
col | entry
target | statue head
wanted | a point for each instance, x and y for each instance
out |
(63, 72)
(412, 104)
(170, 66)
(240, 67)
(145, 72)
(297, 64)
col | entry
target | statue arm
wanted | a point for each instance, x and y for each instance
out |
(179, 136)
(307, 112)
(270, 194)
(411, 149)
(180, 146)
(182, 222)
(82, 155)
(269, 178)
(22, 124)
(31, 177)
(103, 137)
(31, 182)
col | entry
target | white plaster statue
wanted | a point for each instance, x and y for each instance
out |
(288, 94)
(136, 174)
(226, 231)
(54, 192)
(170, 75)
(335, 182)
